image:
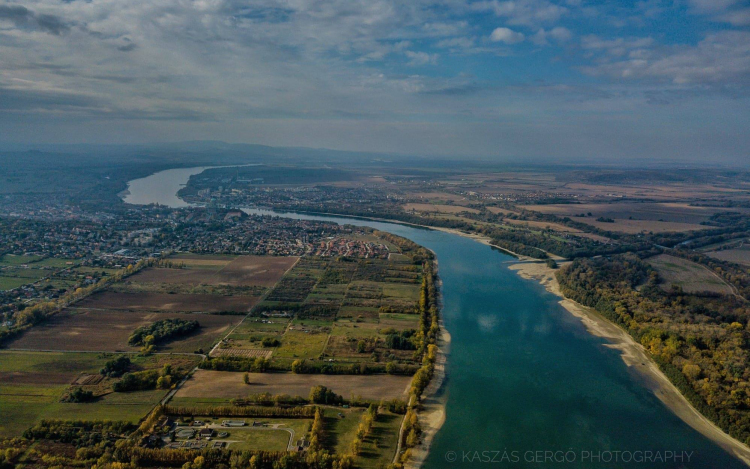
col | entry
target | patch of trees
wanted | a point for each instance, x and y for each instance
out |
(162, 330)
(334, 368)
(401, 340)
(268, 400)
(410, 435)
(323, 395)
(364, 429)
(148, 379)
(270, 342)
(79, 395)
(243, 411)
(518, 248)
(255, 365)
(116, 367)
(77, 432)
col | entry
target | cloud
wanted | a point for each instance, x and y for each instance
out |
(22, 17)
(616, 47)
(721, 58)
(524, 12)
(420, 58)
(557, 34)
(734, 12)
(506, 36)
(360, 74)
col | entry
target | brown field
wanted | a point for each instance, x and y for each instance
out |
(33, 378)
(690, 276)
(242, 271)
(223, 384)
(439, 208)
(239, 352)
(542, 225)
(738, 256)
(87, 330)
(639, 226)
(667, 212)
(167, 302)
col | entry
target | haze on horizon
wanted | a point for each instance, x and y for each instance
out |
(527, 79)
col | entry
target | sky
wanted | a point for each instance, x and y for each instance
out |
(567, 80)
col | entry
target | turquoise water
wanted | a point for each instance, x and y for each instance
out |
(524, 377)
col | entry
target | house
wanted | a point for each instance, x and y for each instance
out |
(206, 433)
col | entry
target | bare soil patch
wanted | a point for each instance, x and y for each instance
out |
(206, 383)
(639, 226)
(88, 330)
(167, 302)
(242, 271)
(663, 211)
(690, 276)
(34, 378)
(738, 256)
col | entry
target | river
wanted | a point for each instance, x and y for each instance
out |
(523, 376)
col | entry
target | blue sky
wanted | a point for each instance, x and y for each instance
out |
(567, 80)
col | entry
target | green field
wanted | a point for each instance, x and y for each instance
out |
(32, 384)
(12, 259)
(270, 435)
(340, 298)
(9, 283)
(297, 344)
(379, 448)
(341, 431)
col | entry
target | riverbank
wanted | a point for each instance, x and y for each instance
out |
(432, 415)
(636, 358)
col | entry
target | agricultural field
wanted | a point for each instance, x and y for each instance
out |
(229, 385)
(196, 269)
(16, 271)
(33, 385)
(323, 308)
(168, 302)
(108, 331)
(216, 291)
(664, 211)
(688, 275)
(738, 255)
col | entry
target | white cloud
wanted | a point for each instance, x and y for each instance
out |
(524, 12)
(556, 34)
(734, 12)
(721, 59)
(420, 58)
(506, 35)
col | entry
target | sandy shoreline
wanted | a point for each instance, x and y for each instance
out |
(635, 357)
